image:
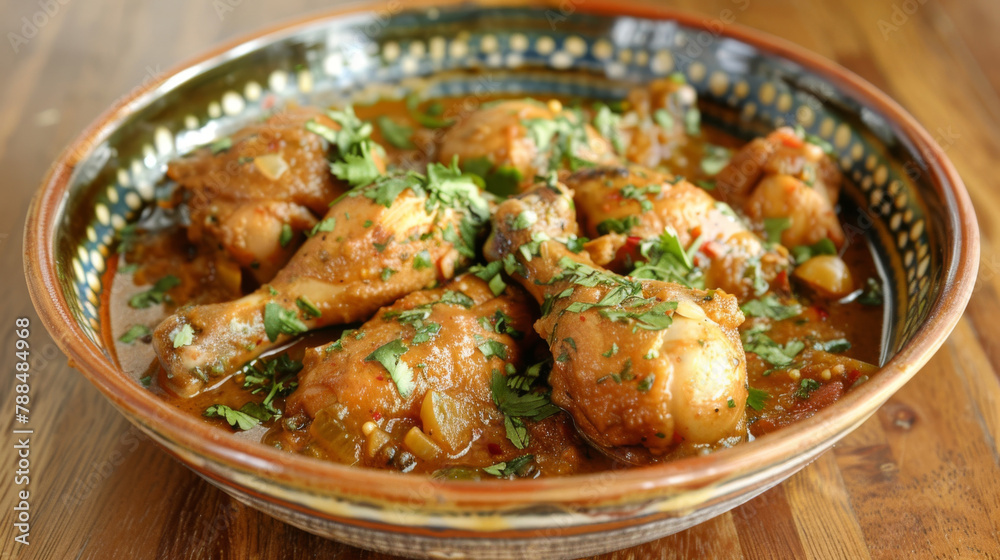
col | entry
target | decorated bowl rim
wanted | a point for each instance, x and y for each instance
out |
(746, 461)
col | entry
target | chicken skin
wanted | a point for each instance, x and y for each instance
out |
(785, 176)
(253, 194)
(636, 203)
(655, 128)
(415, 382)
(640, 365)
(525, 137)
(376, 244)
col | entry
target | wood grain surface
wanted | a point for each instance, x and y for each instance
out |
(920, 479)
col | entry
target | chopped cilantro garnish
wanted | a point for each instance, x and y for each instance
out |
(183, 337)
(715, 158)
(770, 306)
(524, 220)
(824, 246)
(807, 386)
(422, 260)
(425, 118)
(756, 341)
(646, 383)
(756, 398)
(491, 274)
(834, 346)
(242, 419)
(516, 405)
(452, 297)
(356, 168)
(308, 307)
(135, 332)
(389, 355)
(278, 320)
(607, 124)
(352, 133)
(325, 225)
(774, 227)
(491, 348)
(394, 133)
(156, 294)
(666, 259)
(664, 119)
(611, 351)
(221, 145)
(614, 225)
(872, 294)
(640, 195)
(277, 377)
(387, 273)
(286, 235)
(514, 467)
(692, 121)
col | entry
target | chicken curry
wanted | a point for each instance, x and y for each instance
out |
(497, 288)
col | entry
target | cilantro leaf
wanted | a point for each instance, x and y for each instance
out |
(156, 294)
(824, 246)
(325, 225)
(774, 227)
(426, 119)
(183, 337)
(491, 274)
(872, 294)
(394, 133)
(308, 307)
(769, 306)
(389, 355)
(514, 467)
(716, 158)
(614, 225)
(491, 348)
(135, 332)
(286, 235)
(806, 386)
(356, 168)
(278, 320)
(240, 419)
(834, 346)
(756, 398)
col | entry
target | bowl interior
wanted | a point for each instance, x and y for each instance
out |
(475, 53)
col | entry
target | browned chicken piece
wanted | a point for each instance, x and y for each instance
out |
(526, 137)
(628, 205)
(654, 129)
(784, 176)
(253, 196)
(375, 245)
(642, 366)
(414, 383)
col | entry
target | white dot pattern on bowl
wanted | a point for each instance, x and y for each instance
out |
(341, 67)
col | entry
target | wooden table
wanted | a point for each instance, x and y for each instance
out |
(920, 479)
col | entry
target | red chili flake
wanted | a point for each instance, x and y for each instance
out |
(376, 415)
(711, 249)
(582, 318)
(821, 314)
(380, 378)
(852, 377)
(494, 449)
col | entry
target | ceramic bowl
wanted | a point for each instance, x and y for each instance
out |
(905, 200)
